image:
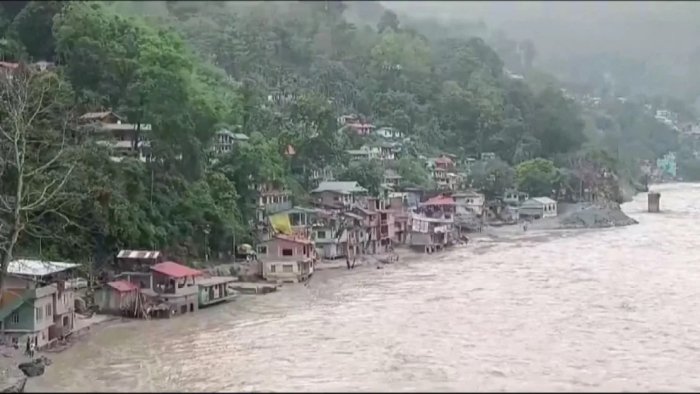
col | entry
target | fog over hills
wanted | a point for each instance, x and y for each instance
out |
(650, 46)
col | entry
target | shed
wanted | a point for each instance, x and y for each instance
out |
(117, 297)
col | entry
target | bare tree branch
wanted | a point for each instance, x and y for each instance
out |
(33, 128)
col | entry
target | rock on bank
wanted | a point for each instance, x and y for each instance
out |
(12, 380)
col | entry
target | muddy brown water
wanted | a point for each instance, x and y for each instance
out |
(615, 309)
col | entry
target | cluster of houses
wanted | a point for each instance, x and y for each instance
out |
(39, 297)
(344, 221)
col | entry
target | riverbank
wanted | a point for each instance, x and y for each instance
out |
(13, 380)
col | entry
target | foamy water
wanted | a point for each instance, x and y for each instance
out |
(615, 309)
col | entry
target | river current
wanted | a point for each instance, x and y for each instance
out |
(614, 309)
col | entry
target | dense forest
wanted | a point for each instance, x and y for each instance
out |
(280, 73)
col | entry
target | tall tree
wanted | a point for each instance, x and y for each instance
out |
(35, 120)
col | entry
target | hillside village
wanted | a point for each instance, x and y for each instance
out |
(342, 222)
(339, 216)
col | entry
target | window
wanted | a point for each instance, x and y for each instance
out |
(37, 313)
(287, 268)
(49, 310)
(287, 252)
(320, 234)
(262, 249)
(273, 268)
(14, 318)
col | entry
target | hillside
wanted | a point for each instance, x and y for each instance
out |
(280, 73)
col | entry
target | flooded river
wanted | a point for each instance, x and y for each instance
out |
(615, 309)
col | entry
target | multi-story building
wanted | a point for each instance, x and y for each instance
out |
(225, 140)
(338, 194)
(432, 224)
(37, 302)
(124, 139)
(287, 258)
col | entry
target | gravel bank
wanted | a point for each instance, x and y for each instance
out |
(580, 216)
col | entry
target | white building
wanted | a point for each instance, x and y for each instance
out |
(538, 208)
(469, 202)
(389, 133)
(365, 153)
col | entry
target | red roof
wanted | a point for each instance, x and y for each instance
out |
(175, 270)
(298, 240)
(9, 65)
(443, 160)
(122, 286)
(361, 125)
(440, 200)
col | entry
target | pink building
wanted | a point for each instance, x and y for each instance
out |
(362, 128)
(287, 258)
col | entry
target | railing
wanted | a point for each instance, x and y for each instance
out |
(278, 207)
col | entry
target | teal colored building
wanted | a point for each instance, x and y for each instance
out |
(667, 164)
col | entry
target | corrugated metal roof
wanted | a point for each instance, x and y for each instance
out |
(37, 267)
(339, 187)
(175, 270)
(122, 286)
(98, 115)
(539, 200)
(138, 254)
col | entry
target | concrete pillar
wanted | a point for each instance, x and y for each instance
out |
(653, 202)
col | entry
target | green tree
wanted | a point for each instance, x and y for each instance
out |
(538, 177)
(389, 20)
(414, 173)
(369, 174)
(493, 177)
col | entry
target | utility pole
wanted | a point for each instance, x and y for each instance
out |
(233, 254)
(206, 244)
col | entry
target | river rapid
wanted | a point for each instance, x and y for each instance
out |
(614, 309)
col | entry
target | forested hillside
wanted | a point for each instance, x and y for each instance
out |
(280, 73)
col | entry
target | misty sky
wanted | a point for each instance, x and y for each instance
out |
(638, 29)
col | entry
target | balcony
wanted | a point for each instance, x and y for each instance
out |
(274, 208)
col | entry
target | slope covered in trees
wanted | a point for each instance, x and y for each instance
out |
(280, 73)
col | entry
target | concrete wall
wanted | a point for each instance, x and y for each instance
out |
(330, 250)
(332, 198)
(65, 302)
(112, 301)
(286, 270)
(419, 239)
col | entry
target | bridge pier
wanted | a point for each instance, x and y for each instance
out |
(653, 202)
